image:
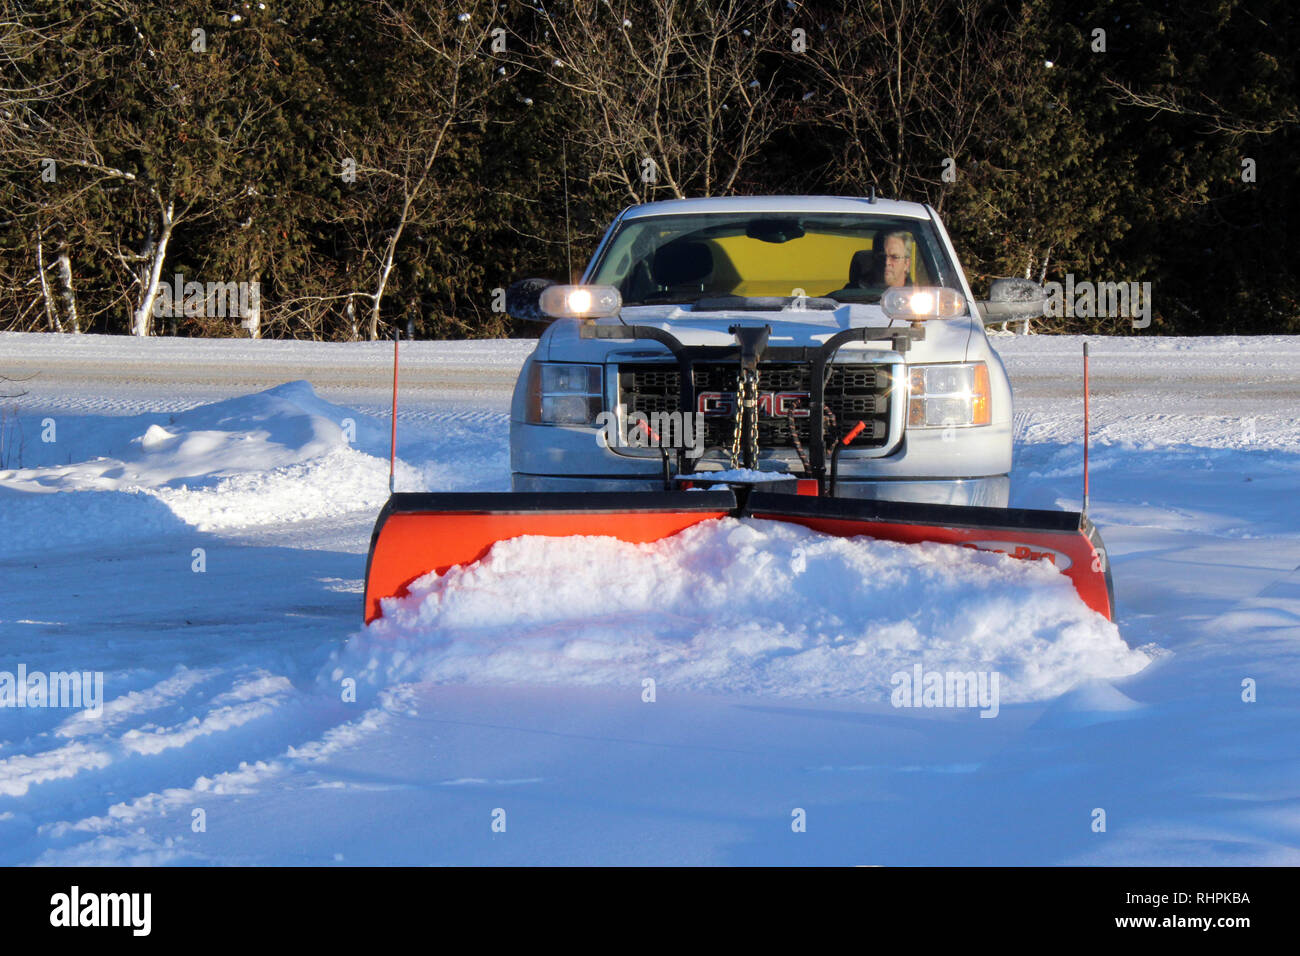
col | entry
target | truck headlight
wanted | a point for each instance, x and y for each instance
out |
(940, 396)
(564, 394)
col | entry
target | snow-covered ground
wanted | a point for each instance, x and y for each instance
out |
(190, 518)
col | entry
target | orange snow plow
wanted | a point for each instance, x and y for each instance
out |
(417, 533)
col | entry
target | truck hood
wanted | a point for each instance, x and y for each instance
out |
(946, 340)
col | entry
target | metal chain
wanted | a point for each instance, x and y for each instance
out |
(751, 402)
(736, 430)
(746, 397)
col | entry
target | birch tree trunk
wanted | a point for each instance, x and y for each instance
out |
(253, 316)
(377, 296)
(390, 252)
(142, 323)
(69, 296)
(51, 313)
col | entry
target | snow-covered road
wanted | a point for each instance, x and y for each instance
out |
(201, 542)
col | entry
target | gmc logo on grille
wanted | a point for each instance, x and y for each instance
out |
(770, 404)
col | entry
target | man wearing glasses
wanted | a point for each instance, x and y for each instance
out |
(886, 265)
(897, 255)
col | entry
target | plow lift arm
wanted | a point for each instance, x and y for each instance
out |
(419, 533)
(749, 350)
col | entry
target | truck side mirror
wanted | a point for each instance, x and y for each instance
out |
(1013, 300)
(523, 300)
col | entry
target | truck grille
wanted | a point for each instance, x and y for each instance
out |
(853, 393)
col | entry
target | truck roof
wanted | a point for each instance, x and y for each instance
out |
(799, 204)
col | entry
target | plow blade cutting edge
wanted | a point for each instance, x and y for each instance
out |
(417, 533)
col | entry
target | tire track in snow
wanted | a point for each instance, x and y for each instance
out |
(111, 835)
(246, 701)
(246, 731)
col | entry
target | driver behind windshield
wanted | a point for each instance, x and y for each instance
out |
(886, 265)
(897, 251)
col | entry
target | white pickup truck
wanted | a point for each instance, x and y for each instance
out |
(699, 331)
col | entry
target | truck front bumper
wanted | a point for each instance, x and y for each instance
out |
(991, 492)
(962, 466)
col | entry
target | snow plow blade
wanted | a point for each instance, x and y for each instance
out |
(1066, 538)
(419, 533)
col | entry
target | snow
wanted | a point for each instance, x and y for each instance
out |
(744, 475)
(249, 689)
(741, 607)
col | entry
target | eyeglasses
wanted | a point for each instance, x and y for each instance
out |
(897, 258)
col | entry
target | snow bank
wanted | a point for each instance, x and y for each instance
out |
(278, 455)
(740, 606)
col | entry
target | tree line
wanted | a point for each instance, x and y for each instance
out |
(375, 164)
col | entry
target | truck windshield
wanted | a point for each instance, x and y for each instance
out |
(847, 257)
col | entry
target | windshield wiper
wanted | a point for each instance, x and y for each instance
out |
(856, 297)
(761, 303)
(665, 298)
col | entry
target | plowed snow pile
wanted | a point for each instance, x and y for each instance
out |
(279, 455)
(736, 606)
